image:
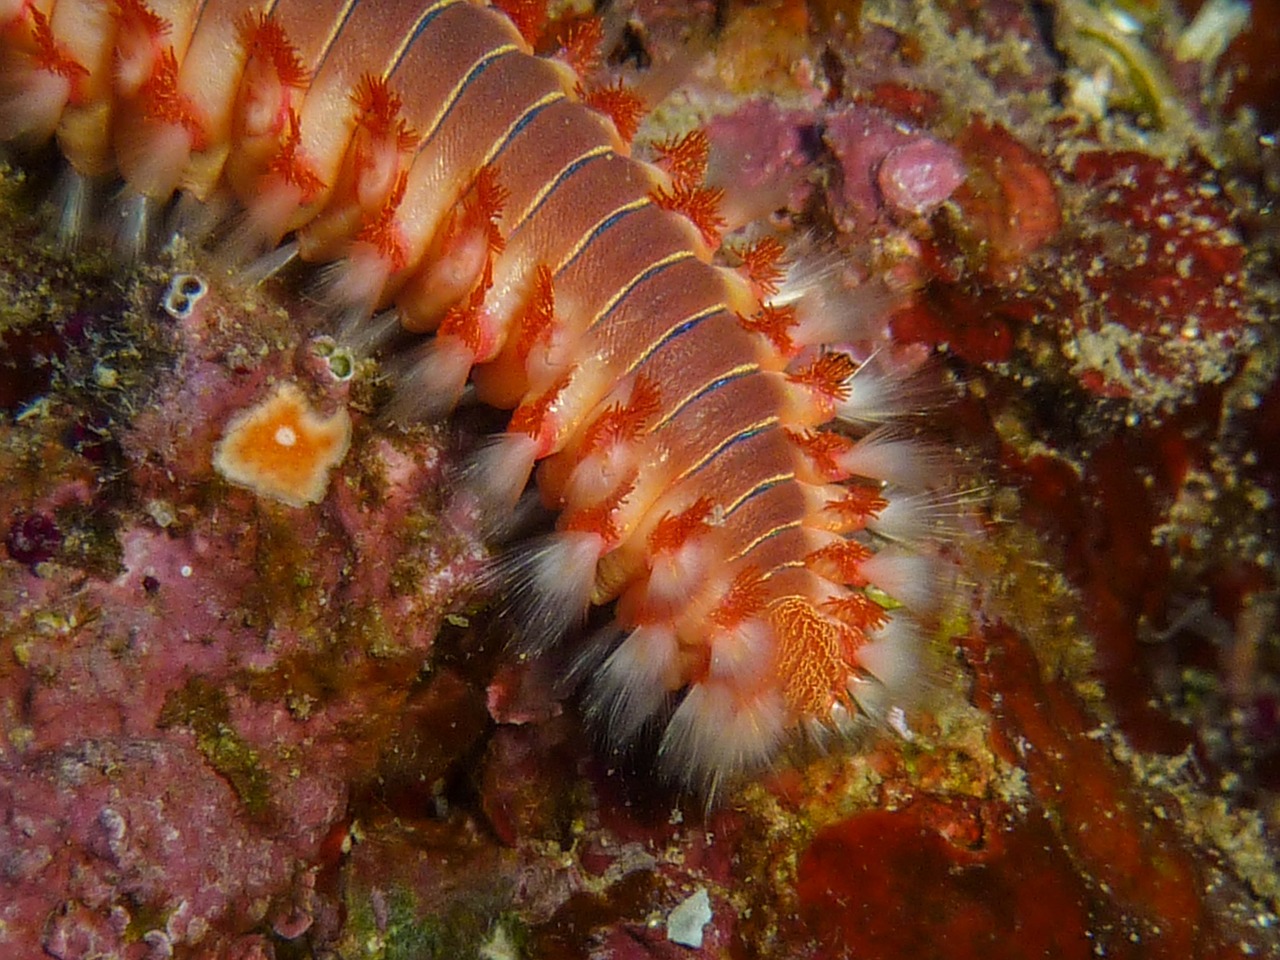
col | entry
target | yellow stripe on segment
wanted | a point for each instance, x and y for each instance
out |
(639, 278)
(520, 121)
(456, 93)
(741, 370)
(725, 444)
(759, 488)
(334, 32)
(602, 224)
(411, 35)
(541, 196)
(768, 535)
(673, 331)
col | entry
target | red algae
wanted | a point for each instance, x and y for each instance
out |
(1009, 206)
(884, 885)
(1117, 835)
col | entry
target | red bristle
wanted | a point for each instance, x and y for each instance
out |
(860, 504)
(530, 417)
(293, 168)
(619, 104)
(776, 324)
(484, 205)
(828, 375)
(622, 422)
(135, 14)
(857, 611)
(378, 111)
(675, 529)
(461, 319)
(265, 39)
(841, 561)
(763, 264)
(699, 204)
(600, 518)
(539, 313)
(581, 42)
(745, 598)
(823, 449)
(684, 158)
(164, 103)
(814, 655)
(381, 231)
(51, 55)
(529, 16)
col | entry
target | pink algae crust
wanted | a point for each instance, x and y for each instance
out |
(194, 679)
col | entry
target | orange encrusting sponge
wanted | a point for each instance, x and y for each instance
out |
(282, 449)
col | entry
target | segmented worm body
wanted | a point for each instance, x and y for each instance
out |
(718, 475)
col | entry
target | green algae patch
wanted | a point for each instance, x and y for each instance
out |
(203, 708)
(391, 927)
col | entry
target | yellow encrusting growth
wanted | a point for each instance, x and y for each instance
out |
(282, 449)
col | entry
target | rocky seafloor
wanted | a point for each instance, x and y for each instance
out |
(234, 727)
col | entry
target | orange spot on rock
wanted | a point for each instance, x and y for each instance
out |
(282, 449)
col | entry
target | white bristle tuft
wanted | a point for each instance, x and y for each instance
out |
(742, 655)
(131, 228)
(897, 678)
(31, 102)
(548, 583)
(432, 382)
(915, 580)
(886, 455)
(355, 282)
(246, 237)
(267, 265)
(195, 219)
(715, 736)
(499, 471)
(365, 336)
(829, 309)
(676, 576)
(892, 655)
(152, 156)
(931, 516)
(72, 199)
(587, 658)
(633, 685)
(884, 389)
